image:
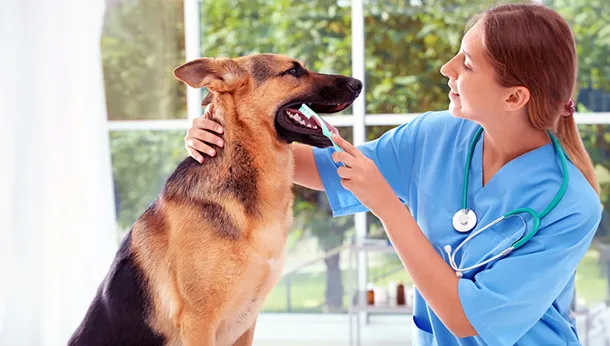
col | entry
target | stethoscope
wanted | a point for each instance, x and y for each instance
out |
(465, 219)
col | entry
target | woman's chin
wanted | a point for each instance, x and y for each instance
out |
(456, 111)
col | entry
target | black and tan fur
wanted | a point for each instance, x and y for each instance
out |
(198, 264)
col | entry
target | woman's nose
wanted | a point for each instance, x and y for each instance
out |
(447, 71)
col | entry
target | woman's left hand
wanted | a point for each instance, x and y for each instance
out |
(361, 176)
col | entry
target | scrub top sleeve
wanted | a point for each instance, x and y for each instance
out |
(505, 300)
(393, 154)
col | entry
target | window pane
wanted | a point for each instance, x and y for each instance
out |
(314, 285)
(407, 42)
(141, 162)
(593, 272)
(383, 267)
(590, 23)
(315, 32)
(142, 42)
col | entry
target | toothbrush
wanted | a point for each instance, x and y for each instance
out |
(308, 112)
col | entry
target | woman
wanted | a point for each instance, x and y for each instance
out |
(511, 87)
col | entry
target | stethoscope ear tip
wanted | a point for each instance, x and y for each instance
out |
(447, 249)
(459, 274)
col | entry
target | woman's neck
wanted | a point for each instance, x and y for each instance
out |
(503, 142)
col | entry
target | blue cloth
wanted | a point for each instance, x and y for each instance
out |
(521, 299)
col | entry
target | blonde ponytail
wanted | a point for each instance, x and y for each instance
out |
(568, 135)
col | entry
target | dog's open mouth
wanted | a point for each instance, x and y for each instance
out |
(293, 125)
(299, 119)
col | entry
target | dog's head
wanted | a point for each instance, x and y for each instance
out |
(268, 89)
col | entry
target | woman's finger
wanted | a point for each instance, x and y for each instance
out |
(194, 154)
(207, 124)
(209, 110)
(343, 157)
(345, 173)
(345, 145)
(200, 146)
(207, 137)
(347, 184)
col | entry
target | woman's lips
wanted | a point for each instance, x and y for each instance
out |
(454, 96)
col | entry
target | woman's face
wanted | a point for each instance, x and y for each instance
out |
(475, 93)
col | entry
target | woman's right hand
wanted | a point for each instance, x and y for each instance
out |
(202, 134)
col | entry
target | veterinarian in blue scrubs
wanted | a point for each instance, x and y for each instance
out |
(491, 204)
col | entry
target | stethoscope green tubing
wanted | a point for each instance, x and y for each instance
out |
(537, 217)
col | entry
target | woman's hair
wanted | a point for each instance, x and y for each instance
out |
(531, 45)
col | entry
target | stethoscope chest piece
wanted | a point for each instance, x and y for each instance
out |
(464, 220)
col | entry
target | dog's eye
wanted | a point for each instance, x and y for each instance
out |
(296, 71)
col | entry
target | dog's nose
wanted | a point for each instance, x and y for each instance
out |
(354, 84)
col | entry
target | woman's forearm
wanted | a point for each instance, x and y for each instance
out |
(434, 279)
(305, 170)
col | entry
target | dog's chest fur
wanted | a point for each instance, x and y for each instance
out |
(241, 236)
(237, 321)
(246, 299)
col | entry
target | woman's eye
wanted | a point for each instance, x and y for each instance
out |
(466, 66)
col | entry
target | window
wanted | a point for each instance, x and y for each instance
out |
(400, 47)
(142, 42)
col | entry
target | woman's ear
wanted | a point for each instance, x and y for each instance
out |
(517, 98)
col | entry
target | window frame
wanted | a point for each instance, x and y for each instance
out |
(359, 121)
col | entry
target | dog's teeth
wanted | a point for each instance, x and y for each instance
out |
(298, 118)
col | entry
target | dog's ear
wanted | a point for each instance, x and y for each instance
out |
(218, 75)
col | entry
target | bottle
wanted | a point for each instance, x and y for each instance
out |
(392, 293)
(381, 296)
(400, 294)
(370, 294)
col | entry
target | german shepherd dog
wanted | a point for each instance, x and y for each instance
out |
(197, 265)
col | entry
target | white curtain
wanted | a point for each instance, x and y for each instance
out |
(57, 222)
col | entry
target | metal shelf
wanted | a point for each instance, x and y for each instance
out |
(382, 309)
(355, 309)
(371, 248)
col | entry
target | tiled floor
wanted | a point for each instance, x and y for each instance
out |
(330, 330)
(329, 343)
(389, 330)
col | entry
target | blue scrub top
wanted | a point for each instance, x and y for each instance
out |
(521, 299)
